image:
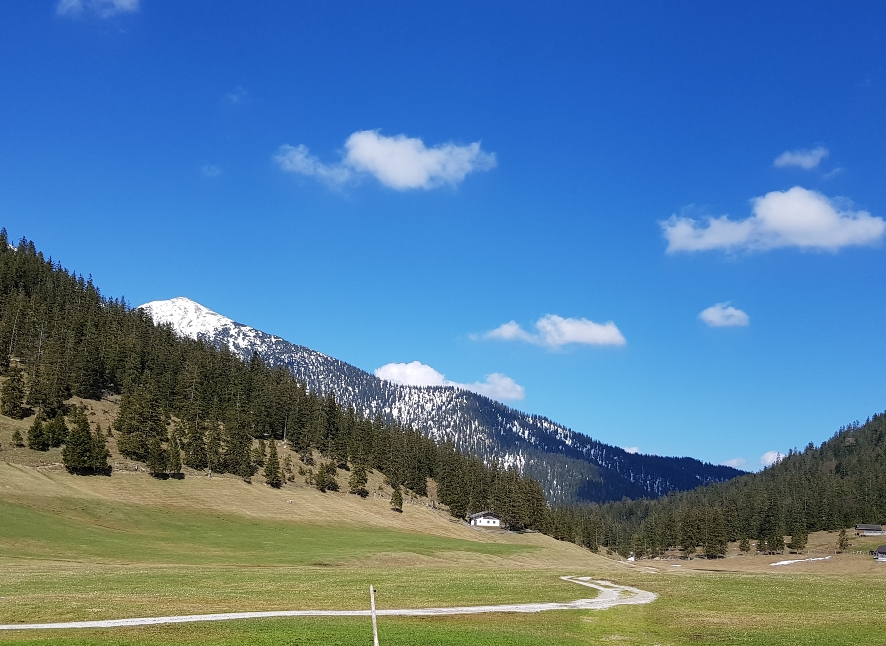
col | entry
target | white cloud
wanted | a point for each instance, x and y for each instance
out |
(771, 457)
(298, 159)
(102, 8)
(398, 162)
(410, 374)
(736, 463)
(210, 170)
(802, 158)
(631, 449)
(794, 218)
(722, 315)
(497, 386)
(554, 331)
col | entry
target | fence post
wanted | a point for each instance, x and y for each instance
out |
(374, 623)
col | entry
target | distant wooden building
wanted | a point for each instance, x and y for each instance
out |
(863, 529)
(485, 519)
(880, 553)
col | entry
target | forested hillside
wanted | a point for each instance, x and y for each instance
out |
(186, 400)
(570, 466)
(831, 487)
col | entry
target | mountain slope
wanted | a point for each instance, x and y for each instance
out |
(570, 466)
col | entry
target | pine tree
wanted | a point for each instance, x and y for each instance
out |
(157, 458)
(288, 476)
(744, 545)
(326, 479)
(357, 480)
(259, 453)
(37, 437)
(842, 541)
(17, 439)
(195, 447)
(689, 532)
(139, 419)
(214, 452)
(798, 540)
(174, 458)
(56, 430)
(272, 467)
(100, 453)
(397, 500)
(12, 395)
(78, 454)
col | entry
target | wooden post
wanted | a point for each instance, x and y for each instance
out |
(374, 623)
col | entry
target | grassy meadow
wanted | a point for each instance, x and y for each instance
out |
(82, 548)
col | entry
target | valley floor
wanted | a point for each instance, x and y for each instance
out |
(93, 548)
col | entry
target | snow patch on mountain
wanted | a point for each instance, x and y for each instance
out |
(187, 318)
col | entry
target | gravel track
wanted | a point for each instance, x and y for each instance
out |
(610, 595)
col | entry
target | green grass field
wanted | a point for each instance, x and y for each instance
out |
(75, 548)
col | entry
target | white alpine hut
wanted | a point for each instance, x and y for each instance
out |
(485, 519)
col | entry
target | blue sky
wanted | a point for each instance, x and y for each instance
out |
(550, 193)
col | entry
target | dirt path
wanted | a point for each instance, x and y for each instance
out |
(610, 595)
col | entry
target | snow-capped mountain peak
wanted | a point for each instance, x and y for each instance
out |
(188, 318)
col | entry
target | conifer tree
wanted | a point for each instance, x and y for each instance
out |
(17, 439)
(157, 458)
(100, 452)
(397, 500)
(357, 480)
(326, 479)
(78, 454)
(37, 437)
(744, 545)
(272, 467)
(56, 430)
(842, 541)
(174, 458)
(139, 420)
(214, 447)
(12, 395)
(259, 453)
(195, 447)
(288, 475)
(798, 540)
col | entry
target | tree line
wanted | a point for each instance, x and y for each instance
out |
(185, 402)
(836, 485)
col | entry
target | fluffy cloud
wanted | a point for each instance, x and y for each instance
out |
(770, 457)
(101, 8)
(794, 218)
(497, 386)
(632, 449)
(398, 162)
(736, 463)
(554, 331)
(802, 158)
(410, 374)
(722, 315)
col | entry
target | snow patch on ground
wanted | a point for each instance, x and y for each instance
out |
(819, 558)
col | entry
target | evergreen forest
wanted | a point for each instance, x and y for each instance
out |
(830, 487)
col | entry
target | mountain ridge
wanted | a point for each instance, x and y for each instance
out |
(570, 466)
